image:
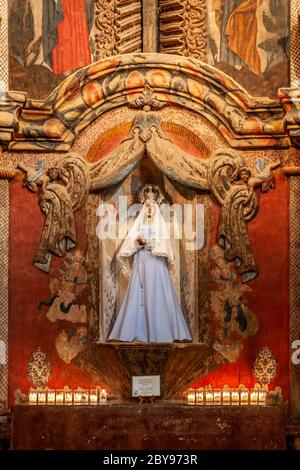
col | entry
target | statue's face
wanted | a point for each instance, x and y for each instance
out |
(53, 173)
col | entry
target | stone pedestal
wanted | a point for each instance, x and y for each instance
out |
(180, 365)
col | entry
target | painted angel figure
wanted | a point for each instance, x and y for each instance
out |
(150, 311)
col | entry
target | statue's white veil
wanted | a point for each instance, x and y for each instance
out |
(160, 246)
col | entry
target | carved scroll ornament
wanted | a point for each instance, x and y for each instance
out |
(64, 189)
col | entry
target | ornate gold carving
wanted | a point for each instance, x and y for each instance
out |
(232, 184)
(148, 136)
(64, 189)
(265, 367)
(147, 101)
(104, 25)
(53, 124)
(128, 26)
(183, 27)
(118, 27)
(39, 369)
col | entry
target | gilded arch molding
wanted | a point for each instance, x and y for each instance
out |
(54, 123)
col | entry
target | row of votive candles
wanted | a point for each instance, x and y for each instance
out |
(227, 396)
(67, 397)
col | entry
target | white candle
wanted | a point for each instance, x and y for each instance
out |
(262, 397)
(226, 397)
(191, 397)
(51, 397)
(68, 397)
(59, 397)
(32, 397)
(244, 397)
(254, 397)
(209, 397)
(217, 397)
(200, 396)
(77, 397)
(93, 397)
(42, 398)
(235, 397)
(85, 397)
(103, 397)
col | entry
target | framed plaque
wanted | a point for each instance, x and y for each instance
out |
(146, 386)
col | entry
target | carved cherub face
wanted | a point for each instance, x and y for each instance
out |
(53, 173)
(245, 174)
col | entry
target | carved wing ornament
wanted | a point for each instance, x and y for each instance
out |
(64, 189)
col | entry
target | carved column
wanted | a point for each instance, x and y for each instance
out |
(3, 45)
(4, 217)
(150, 36)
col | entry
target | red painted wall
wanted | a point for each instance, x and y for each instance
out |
(269, 296)
(29, 328)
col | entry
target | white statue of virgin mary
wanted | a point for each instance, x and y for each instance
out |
(150, 311)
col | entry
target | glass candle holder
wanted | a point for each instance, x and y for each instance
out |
(93, 397)
(85, 397)
(50, 397)
(235, 396)
(32, 397)
(68, 397)
(226, 396)
(42, 397)
(209, 397)
(103, 397)
(77, 397)
(59, 397)
(262, 397)
(191, 396)
(244, 394)
(254, 397)
(217, 396)
(200, 396)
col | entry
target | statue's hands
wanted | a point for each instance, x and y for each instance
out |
(141, 240)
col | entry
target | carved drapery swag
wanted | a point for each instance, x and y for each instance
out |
(225, 175)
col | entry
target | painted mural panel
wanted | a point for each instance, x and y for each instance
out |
(249, 40)
(48, 39)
